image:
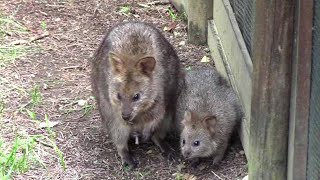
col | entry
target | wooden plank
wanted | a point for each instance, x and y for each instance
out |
(272, 58)
(199, 12)
(300, 93)
(232, 59)
(221, 64)
(237, 62)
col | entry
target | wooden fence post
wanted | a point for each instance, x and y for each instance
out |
(199, 12)
(270, 103)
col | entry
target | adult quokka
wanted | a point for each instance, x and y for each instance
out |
(134, 79)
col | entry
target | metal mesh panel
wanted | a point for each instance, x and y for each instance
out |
(244, 13)
(313, 171)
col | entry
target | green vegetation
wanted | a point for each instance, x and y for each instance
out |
(10, 27)
(43, 25)
(124, 9)
(20, 151)
(175, 17)
(36, 97)
(9, 53)
(18, 157)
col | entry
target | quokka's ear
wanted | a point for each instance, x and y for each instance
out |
(116, 63)
(210, 122)
(146, 65)
(186, 118)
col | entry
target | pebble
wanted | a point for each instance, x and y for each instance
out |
(182, 43)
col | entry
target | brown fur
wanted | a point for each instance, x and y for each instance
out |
(207, 112)
(134, 77)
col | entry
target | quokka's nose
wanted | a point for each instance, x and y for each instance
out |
(186, 154)
(126, 117)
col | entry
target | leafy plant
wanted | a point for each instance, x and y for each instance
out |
(124, 9)
(43, 25)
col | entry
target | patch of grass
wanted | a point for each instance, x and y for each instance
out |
(9, 53)
(8, 26)
(84, 105)
(19, 157)
(88, 106)
(54, 145)
(87, 109)
(14, 29)
(36, 97)
(172, 14)
(175, 16)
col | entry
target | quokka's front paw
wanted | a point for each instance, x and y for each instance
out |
(167, 151)
(217, 159)
(194, 162)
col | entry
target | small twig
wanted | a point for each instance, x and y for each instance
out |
(158, 3)
(41, 12)
(216, 175)
(46, 34)
(72, 67)
(56, 5)
(23, 106)
(44, 143)
(20, 42)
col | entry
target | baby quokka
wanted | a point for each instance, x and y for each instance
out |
(207, 112)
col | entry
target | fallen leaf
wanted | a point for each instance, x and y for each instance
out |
(19, 42)
(143, 5)
(245, 178)
(205, 59)
(182, 43)
(188, 176)
(170, 27)
(50, 124)
(82, 102)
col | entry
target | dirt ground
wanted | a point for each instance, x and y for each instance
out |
(59, 65)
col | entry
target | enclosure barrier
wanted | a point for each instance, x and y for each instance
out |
(270, 53)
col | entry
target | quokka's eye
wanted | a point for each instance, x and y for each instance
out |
(136, 97)
(119, 96)
(196, 143)
(183, 142)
